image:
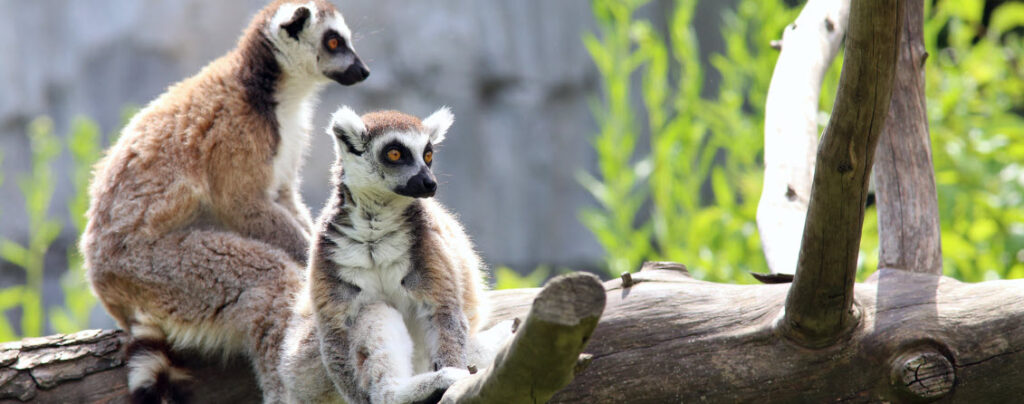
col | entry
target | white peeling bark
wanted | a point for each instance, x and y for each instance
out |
(791, 129)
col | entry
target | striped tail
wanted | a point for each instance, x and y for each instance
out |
(153, 377)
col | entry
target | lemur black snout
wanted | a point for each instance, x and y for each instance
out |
(363, 71)
(430, 185)
(355, 73)
(421, 185)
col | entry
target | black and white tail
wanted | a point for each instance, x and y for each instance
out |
(153, 377)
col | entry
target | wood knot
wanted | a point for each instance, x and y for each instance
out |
(790, 193)
(923, 375)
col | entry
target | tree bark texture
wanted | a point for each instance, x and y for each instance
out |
(670, 338)
(88, 367)
(908, 211)
(819, 308)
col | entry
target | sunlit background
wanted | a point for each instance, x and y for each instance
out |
(589, 135)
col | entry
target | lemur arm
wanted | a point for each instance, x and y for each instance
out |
(335, 353)
(335, 316)
(448, 326)
(436, 284)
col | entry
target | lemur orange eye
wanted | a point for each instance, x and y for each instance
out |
(428, 157)
(394, 155)
(332, 43)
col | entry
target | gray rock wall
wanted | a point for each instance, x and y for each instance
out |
(514, 72)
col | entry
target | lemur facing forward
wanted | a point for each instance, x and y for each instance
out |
(196, 235)
(393, 299)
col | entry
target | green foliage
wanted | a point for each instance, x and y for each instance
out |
(701, 178)
(692, 196)
(975, 102)
(37, 189)
(508, 278)
(85, 144)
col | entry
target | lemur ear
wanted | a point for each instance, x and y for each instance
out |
(297, 23)
(437, 124)
(348, 130)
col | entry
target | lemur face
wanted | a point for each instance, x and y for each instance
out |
(314, 41)
(389, 152)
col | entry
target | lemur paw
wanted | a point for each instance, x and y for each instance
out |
(446, 376)
(430, 387)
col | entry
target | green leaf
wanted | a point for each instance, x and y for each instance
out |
(723, 192)
(10, 297)
(506, 278)
(14, 253)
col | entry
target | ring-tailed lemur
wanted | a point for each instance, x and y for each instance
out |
(196, 235)
(394, 294)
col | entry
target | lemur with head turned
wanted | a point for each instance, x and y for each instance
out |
(394, 286)
(197, 237)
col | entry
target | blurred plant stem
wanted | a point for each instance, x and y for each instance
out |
(37, 189)
(85, 143)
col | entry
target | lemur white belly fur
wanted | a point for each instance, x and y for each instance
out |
(373, 254)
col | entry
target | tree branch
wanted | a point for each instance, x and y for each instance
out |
(542, 357)
(820, 302)
(791, 127)
(908, 211)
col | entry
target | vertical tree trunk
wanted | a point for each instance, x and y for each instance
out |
(908, 212)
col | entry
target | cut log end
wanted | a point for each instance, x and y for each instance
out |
(923, 376)
(569, 299)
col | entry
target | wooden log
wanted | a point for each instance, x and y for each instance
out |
(80, 362)
(819, 309)
(908, 210)
(88, 367)
(671, 338)
(791, 127)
